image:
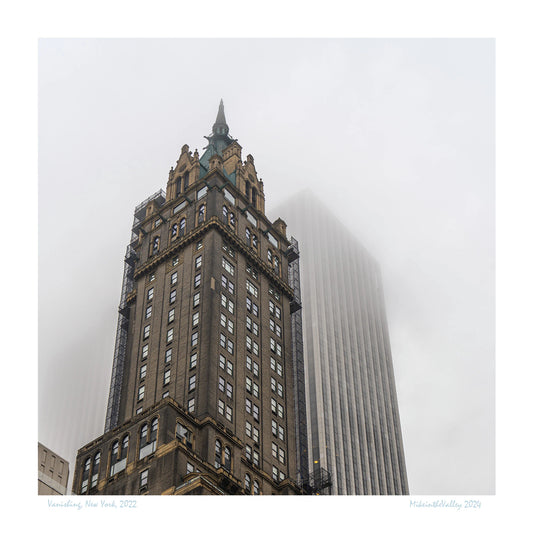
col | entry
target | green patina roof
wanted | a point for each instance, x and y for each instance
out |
(219, 140)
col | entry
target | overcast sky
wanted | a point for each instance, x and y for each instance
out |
(397, 138)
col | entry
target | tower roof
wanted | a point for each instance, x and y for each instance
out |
(218, 140)
(221, 118)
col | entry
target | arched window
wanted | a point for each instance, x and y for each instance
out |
(85, 475)
(148, 443)
(144, 436)
(114, 455)
(201, 214)
(153, 430)
(256, 487)
(247, 483)
(218, 454)
(96, 468)
(227, 458)
(174, 230)
(182, 227)
(124, 447)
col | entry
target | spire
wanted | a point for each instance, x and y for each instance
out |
(220, 127)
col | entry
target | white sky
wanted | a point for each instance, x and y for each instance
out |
(157, 114)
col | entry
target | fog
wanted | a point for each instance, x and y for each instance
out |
(395, 136)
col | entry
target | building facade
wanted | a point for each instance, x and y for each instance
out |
(353, 419)
(204, 383)
(53, 472)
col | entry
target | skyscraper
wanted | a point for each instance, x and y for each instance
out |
(202, 395)
(352, 411)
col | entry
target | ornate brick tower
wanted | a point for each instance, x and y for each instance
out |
(204, 385)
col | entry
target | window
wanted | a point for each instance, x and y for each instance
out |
(218, 454)
(175, 261)
(251, 288)
(150, 294)
(229, 412)
(183, 434)
(227, 303)
(227, 458)
(256, 412)
(144, 351)
(229, 347)
(221, 407)
(142, 373)
(174, 230)
(143, 482)
(281, 455)
(192, 363)
(197, 280)
(222, 340)
(229, 196)
(247, 483)
(196, 300)
(256, 487)
(229, 368)
(168, 355)
(195, 319)
(252, 271)
(273, 239)
(181, 230)
(166, 377)
(201, 214)
(228, 285)
(194, 339)
(146, 333)
(155, 245)
(256, 458)
(151, 277)
(96, 468)
(198, 262)
(192, 383)
(180, 206)
(157, 223)
(251, 218)
(190, 405)
(230, 251)
(255, 434)
(171, 314)
(201, 193)
(170, 335)
(172, 298)
(173, 278)
(221, 384)
(228, 266)
(140, 393)
(85, 475)
(225, 212)
(199, 245)
(248, 452)
(190, 468)
(165, 394)
(148, 312)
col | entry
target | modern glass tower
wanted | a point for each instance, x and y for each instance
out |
(352, 411)
(204, 386)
